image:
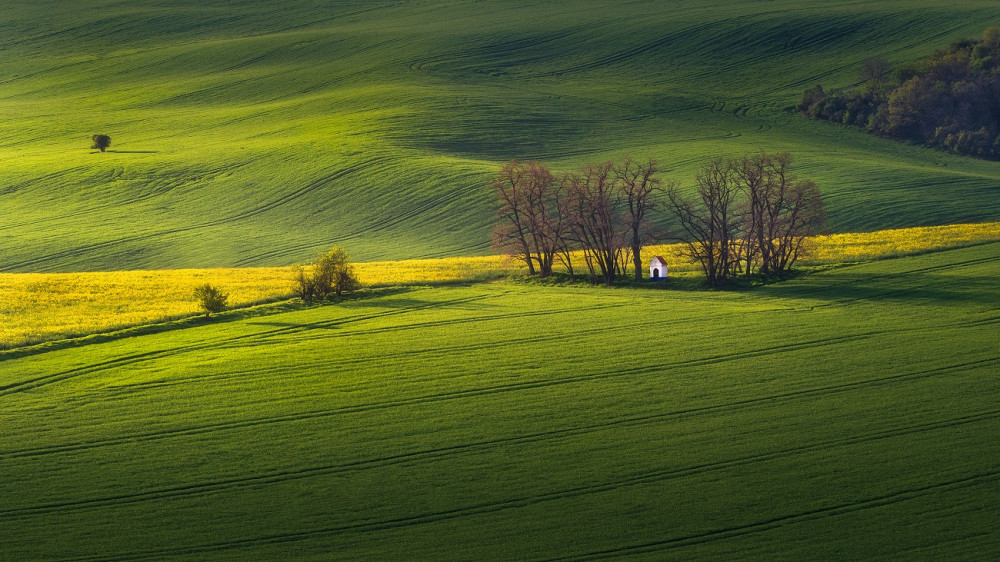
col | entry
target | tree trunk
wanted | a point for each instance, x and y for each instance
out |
(637, 255)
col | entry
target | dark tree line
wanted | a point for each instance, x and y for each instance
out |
(950, 100)
(749, 215)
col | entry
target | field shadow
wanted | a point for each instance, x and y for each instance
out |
(926, 288)
(296, 325)
(420, 304)
(127, 151)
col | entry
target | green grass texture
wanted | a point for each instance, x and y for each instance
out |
(846, 414)
(259, 133)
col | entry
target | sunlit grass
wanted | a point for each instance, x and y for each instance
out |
(856, 406)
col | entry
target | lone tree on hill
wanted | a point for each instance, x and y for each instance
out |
(332, 272)
(101, 142)
(210, 298)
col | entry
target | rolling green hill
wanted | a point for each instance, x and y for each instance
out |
(258, 133)
(847, 414)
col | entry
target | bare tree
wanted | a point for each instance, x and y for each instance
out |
(710, 223)
(560, 228)
(594, 204)
(777, 214)
(804, 216)
(512, 234)
(639, 188)
(533, 224)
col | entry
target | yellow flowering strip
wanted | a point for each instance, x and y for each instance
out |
(36, 307)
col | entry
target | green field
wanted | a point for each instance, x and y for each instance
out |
(850, 413)
(258, 133)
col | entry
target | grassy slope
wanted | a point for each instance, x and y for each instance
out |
(257, 133)
(846, 414)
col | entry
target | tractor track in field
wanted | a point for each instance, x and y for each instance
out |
(527, 385)
(434, 352)
(458, 321)
(21, 386)
(362, 231)
(255, 339)
(258, 339)
(242, 215)
(277, 477)
(645, 478)
(443, 351)
(791, 518)
(909, 273)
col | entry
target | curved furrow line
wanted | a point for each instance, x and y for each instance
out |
(886, 276)
(792, 518)
(435, 352)
(298, 193)
(277, 477)
(36, 382)
(630, 481)
(284, 199)
(327, 324)
(118, 362)
(493, 53)
(363, 231)
(632, 52)
(514, 387)
(458, 321)
(978, 322)
(881, 293)
(459, 349)
(38, 180)
(132, 197)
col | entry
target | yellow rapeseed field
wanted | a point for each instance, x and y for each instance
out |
(36, 307)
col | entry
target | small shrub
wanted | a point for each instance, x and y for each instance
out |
(332, 272)
(210, 299)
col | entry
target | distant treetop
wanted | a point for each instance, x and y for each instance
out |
(101, 142)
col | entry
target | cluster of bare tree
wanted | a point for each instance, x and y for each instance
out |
(750, 215)
(601, 211)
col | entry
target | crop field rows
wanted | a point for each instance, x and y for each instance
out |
(258, 140)
(846, 413)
